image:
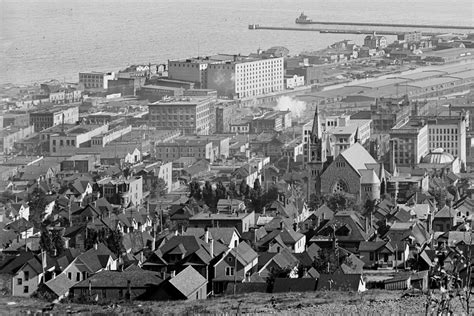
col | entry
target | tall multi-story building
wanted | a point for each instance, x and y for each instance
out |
(387, 113)
(273, 121)
(47, 117)
(246, 77)
(192, 115)
(409, 144)
(232, 76)
(95, 79)
(194, 69)
(449, 133)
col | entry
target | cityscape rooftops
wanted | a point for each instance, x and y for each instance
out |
(194, 100)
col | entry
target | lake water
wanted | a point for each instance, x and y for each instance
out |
(41, 40)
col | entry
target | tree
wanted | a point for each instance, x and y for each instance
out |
(46, 243)
(232, 192)
(271, 195)
(57, 241)
(339, 202)
(114, 242)
(256, 195)
(37, 203)
(221, 192)
(208, 195)
(244, 188)
(315, 201)
(159, 188)
(195, 190)
(327, 261)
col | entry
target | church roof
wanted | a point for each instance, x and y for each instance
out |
(357, 156)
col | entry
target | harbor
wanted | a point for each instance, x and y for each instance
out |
(303, 19)
(332, 31)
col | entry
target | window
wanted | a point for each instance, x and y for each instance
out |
(371, 256)
(25, 289)
(27, 275)
(19, 281)
(229, 271)
(399, 255)
(229, 259)
(78, 276)
(69, 275)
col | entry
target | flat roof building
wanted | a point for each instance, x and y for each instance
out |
(192, 115)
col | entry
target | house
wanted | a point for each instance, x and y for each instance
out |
(180, 251)
(338, 281)
(282, 238)
(189, 284)
(35, 271)
(240, 220)
(383, 254)
(123, 192)
(115, 285)
(348, 227)
(10, 267)
(228, 236)
(90, 262)
(412, 234)
(445, 219)
(267, 261)
(18, 210)
(235, 266)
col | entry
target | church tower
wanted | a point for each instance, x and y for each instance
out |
(316, 155)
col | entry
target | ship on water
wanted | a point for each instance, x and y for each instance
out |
(303, 19)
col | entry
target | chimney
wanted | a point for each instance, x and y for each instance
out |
(281, 224)
(206, 236)
(212, 248)
(173, 274)
(367, 224)
(95, 246)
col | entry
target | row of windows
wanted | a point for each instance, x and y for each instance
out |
(71, 142)
(444, 130)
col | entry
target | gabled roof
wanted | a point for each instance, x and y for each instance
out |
(188, 281)
(371, 245)
(14, 265)
(350, 219)
(93, 258)
(357, 156)
(368, 177)
(119, 279)
(60, 285)
(244, 253)
(190, 245)
(446, 212)
(289, 236)
(223, 234)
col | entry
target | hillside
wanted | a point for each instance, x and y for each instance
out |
(319, 303)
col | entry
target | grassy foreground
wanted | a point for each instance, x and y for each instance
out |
(308, 303)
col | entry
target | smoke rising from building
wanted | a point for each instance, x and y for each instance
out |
(296, 107)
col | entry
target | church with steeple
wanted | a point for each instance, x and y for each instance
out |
(316, 155)
(337, 160)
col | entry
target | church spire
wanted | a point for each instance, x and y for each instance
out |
(316, 132)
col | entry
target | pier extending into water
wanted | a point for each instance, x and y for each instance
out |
(419, 26)
(335, 31)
